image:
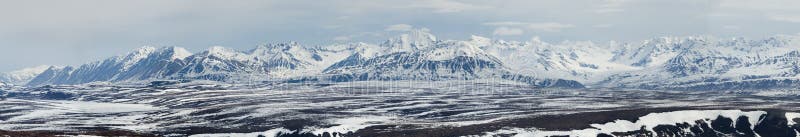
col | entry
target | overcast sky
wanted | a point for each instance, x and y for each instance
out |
(60, 32)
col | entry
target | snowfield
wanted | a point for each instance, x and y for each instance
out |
(380, 108)
(54, 114)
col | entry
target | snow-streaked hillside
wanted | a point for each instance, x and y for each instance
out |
(271, 61)
(446, 61)
(586, 62)
(141, 64)
(724, 64)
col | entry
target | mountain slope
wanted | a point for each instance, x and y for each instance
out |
(436, 60)
(271, 61)
(581, 61)
(722, 65)
(144, 63)
(418, 56)
(446, 63)
(22, 76)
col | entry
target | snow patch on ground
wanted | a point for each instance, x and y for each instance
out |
(57, 107)
(268, 133)
(352, 124)
(342, 126)
(648, 121)
(790, 116)
(95, 107)
(59, 112)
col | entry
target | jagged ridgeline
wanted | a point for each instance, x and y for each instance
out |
(689, 63)
(415, 56)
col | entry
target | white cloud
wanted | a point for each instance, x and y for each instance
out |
(720, 14)
(504, 23)
(83, 29)
(446, 6)
(506, 31)
(537, 40)
(357, 36)
(342, 38)
(784, 18)
(610, 6)
(775, 10)
(425, 29)
(399, 27)
(613, 3)
(761, 5)
(549, 26)
(540, 26)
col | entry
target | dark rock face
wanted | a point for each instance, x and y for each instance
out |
(773, 124)
(413, 66)
(405, 65)
(560, 83)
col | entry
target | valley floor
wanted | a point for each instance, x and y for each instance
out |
(404, 108)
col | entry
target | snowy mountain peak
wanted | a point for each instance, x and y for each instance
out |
(656, 51)
(412, 41)
(22, 76)
(33, 70)
(537, 41)
(218, 49)
(140, 53)
(277, 46)
(480, 41)
(144, 50)
(176, 52)
(453, 50)
(479, 38)
(225, 53)
(366, 50)
(419, 35)
(135, 56)
(290, 52)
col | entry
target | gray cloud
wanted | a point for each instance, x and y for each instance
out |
(506, 31)
(34, 32)
(399, 27)
(537, 26)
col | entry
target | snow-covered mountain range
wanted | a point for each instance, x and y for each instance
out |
(705, 63)
(694, 63)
